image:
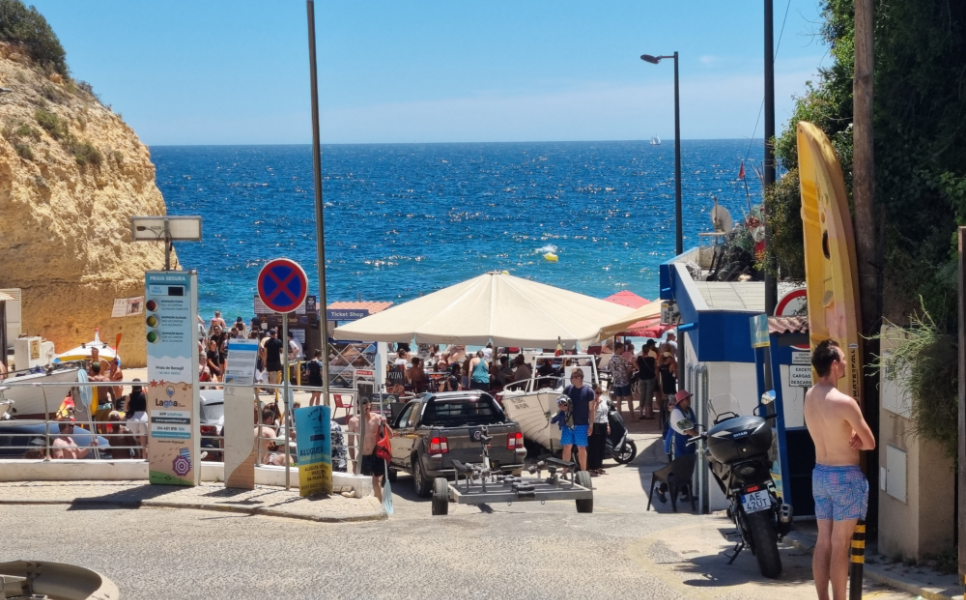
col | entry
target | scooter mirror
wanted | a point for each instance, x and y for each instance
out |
(686, 424)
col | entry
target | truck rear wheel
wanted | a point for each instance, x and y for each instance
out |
(585, 505)
(422, 485)
(440, 496)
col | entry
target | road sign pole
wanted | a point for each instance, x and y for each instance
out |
(288, 404)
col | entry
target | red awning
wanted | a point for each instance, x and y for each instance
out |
(650, 328)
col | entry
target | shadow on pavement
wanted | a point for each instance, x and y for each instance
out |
(126, 498)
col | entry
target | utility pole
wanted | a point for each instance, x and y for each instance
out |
(319, 206)
(961, 467)
(863, 195)
(771, 291)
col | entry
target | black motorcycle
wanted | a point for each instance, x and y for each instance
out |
(738, 455)
(619, 446)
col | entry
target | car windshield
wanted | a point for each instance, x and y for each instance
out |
(457, 412)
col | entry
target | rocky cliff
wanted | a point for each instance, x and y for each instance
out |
(72, 174)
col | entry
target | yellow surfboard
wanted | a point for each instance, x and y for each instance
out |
(830, 268)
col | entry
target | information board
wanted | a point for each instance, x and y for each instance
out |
(242, 357)
(171, 304)
(313, 440)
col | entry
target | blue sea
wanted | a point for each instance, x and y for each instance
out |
(407, 219)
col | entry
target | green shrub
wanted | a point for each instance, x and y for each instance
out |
(925, 362)
(86, 154)
(24, 150)
(28, 29)
(118, 157)
(26, 131)
(51, 93)
(51, 123)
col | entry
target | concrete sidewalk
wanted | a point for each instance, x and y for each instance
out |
(919, 580)
(263, 500)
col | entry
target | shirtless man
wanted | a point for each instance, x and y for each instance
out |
(371, 464)
(64, 446)
(841, 492)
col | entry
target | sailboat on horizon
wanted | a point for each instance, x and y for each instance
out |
(655, 140)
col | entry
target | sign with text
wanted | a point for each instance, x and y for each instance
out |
(346, 314)
(313, 427)
(171, 305)
(242, 356)
(800, 375)
(128, 307)
(801, 358)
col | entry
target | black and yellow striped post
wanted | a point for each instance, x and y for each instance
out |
(857, 561)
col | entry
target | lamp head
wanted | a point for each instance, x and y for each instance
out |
(651, 59)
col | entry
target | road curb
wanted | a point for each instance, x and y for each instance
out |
(877, 576)
(257, 511)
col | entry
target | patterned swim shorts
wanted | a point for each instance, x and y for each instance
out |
(841, 493)
(576, 436)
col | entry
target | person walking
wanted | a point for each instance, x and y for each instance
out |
(479, 373)
(273, 358)
(620, 383)
(647, 379)
(597, 443)
(136, 411)
(581, 398)
(841, 492)
(371, 464)
(668, 372)
(314, 371)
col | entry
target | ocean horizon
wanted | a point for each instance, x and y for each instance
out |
(405, 219)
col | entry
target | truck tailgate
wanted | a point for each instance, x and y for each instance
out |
(464, 444)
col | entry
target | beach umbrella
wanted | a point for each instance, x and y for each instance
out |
(495, 308)
(627, 298)
(642, 319)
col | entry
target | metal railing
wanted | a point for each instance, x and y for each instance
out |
(96, 427)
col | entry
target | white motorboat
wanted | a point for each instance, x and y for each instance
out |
(34, 401)
(532, 403)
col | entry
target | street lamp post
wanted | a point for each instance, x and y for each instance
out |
(678, 227)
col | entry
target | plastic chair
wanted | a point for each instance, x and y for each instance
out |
(677, 476)
(343, 401)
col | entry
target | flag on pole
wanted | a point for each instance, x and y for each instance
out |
(741, 171)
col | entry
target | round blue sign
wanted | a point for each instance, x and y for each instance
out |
(282, 285)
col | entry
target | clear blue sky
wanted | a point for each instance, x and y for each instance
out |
(236, 72)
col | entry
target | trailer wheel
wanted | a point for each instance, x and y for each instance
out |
(585, 505)
(440, 496)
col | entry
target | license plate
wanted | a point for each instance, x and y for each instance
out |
(756, 501)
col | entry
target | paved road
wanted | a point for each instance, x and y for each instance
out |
(521, 551)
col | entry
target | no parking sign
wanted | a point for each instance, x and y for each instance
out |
(282, 285)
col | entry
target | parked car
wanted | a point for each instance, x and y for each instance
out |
(436, 429)
(13, 433)
(212, 413)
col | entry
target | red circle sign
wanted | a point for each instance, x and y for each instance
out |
(282, 285)
(791, 303)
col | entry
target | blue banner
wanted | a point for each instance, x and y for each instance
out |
(313, 431)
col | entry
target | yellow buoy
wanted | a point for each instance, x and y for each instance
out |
(550, 256)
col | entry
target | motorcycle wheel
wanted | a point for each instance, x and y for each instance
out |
(628, 453)
(764, 542)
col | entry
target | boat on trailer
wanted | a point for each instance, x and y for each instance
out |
(533, 402)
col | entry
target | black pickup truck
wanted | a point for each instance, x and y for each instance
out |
(435, 429)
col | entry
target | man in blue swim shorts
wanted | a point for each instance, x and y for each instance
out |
(580, 399)
(841, 493)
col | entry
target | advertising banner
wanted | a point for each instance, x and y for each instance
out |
(171, 305)
(314, 443)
